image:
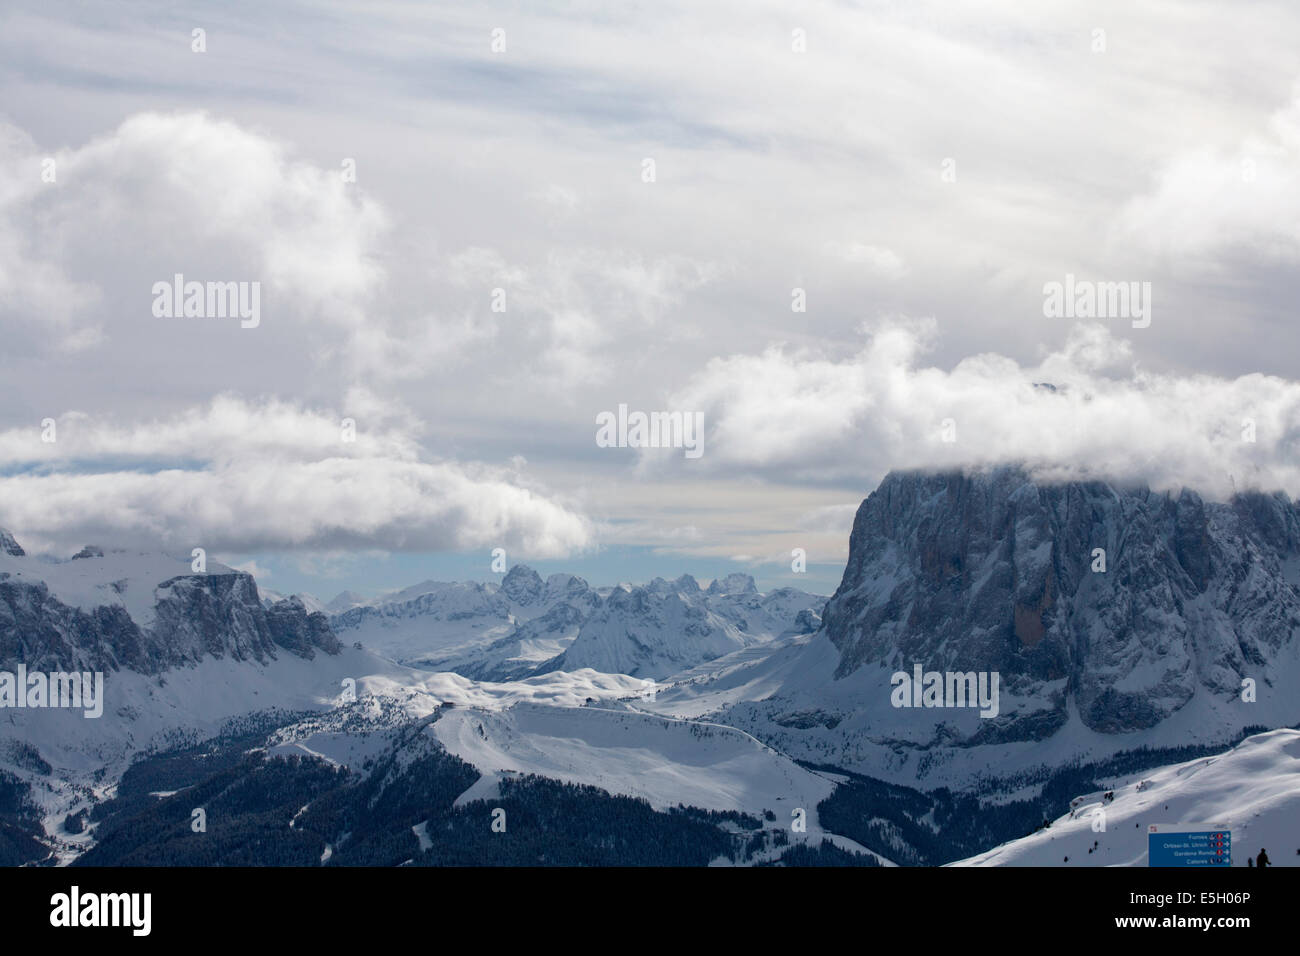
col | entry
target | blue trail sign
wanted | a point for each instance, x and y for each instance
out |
(1181, 844)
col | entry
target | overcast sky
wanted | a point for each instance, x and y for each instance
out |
(920, 171)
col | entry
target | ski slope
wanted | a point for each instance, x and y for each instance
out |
(627, 751)
(1253, 789)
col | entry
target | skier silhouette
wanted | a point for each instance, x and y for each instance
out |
(1262, 860)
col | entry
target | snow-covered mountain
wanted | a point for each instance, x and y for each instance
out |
(180, 652)
(1186, 634)
(999, 572)
(1128, 629)
(312, 604)
(1252, 790)
(382, 782)
(194, 656)
(670, 626)
(487, 630)
(141, 611)
(609, 744)
(527, 625)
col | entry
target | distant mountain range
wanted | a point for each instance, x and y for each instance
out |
(527, 625)
(1127, 630)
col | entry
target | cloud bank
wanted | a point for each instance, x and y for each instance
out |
(1087, 410)
(267, 476)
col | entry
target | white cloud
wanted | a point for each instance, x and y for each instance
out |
(269, 476)
(186, 192)
(878, 259)
(321, 505)
(1213, 200)
(1087, 409)
(819, 170)
(252, 567)
(227, 429)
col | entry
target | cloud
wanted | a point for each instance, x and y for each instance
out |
(592, 302)
(228, 428)
(189, 193)
(322, 505)
(1212, 201)
(265, 477)
(252, 567)
(878, 259)
(1086, 410)
(776, 169)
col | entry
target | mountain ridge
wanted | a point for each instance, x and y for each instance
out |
(142, 611)
(1115, 616)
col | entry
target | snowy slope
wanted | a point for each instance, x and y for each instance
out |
(439, 622)
(791, 699)
(1254, 789)
(104, 577)
(541, 726)
(625, 751)
(141, 712)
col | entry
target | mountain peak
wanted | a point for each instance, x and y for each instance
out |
(9, 546)
(344, 600)
(734, 583)
(562, 585)
(1051, 582)
(522, 584)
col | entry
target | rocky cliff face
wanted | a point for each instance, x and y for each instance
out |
(9, 546)
(1132, 601)
(82, 621)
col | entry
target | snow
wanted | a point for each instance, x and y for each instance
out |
(647, 631)
(119, 578)
(438, 621)
(336, 748)
(752, 690)
(486, 787)
(421, 831)
(141, 712)
(677, 683)
(665, 761)
(1253, 789)
(668, 627)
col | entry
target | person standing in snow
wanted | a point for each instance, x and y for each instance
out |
(1262, 860)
